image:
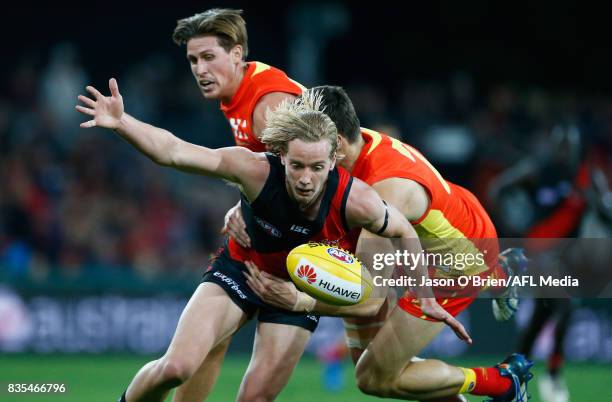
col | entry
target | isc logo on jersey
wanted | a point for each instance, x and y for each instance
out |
(329, 274)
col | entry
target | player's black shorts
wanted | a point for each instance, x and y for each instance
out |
(228, 273)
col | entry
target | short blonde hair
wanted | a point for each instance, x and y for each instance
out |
(226, 24)
(302, 118)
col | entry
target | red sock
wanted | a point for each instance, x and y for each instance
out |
(489, 382)
(555, 361)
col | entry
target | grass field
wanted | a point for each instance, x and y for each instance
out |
(103, 378)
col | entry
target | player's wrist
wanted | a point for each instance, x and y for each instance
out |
(122, 123)
(304, 303)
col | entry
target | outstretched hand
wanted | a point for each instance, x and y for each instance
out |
(105, 110)
(431, 308)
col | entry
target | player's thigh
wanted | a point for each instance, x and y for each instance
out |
(201, 383)
(210, 317)
(276, 352)
(402, 337)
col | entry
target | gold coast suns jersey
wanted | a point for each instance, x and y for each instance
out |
(259, 79)
(454, 214)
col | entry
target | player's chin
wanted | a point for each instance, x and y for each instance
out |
(304, 196)
(210, 94)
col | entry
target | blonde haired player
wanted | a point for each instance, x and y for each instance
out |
(301, 186)
(438, 210)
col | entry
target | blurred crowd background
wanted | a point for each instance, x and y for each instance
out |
(474, 89)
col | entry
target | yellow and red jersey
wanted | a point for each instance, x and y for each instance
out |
(259, 79)
(453, 212)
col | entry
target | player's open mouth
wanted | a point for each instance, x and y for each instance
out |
(206, 84)
(303, 192)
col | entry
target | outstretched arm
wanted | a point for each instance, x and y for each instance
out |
(366, 209)
(235, 164)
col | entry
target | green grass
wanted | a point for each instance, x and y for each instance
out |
(103, 378)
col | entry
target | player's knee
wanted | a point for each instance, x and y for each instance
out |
(371, 381)
(256, 397)
(372, 386)
(174, 372)
(257, 389)
(256, 392)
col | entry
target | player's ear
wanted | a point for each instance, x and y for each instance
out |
(236, 53)
(282, 158)
(341, 149)
(333, 162)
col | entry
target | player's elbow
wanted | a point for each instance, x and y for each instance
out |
(170, 153)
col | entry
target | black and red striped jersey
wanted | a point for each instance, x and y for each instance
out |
(276, 225)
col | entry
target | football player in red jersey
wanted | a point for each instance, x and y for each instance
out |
(438, 210)
(217, 48)
(300, 185)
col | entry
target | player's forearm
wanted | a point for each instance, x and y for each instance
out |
(419, 270)
(367, 308)
(156, 143)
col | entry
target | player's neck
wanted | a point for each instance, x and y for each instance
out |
(352, 153)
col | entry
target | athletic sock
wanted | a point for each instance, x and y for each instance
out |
(555, 361)
(485, 381)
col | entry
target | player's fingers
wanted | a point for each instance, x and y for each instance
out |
(242, 238)
(244, 235)
(459, 329)
(96, 94)
(114, 87)
(256, 286)
(85, 110)
(252, 285)
(271, 277)
(253, 270)
(254, 281)
(87, 101)
(88, 124)
(237, 225)
(247, 264)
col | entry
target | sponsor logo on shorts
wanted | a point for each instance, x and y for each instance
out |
(313, 317)
(268, 228)
(231, 283)
(340, 255)
(307, 273)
